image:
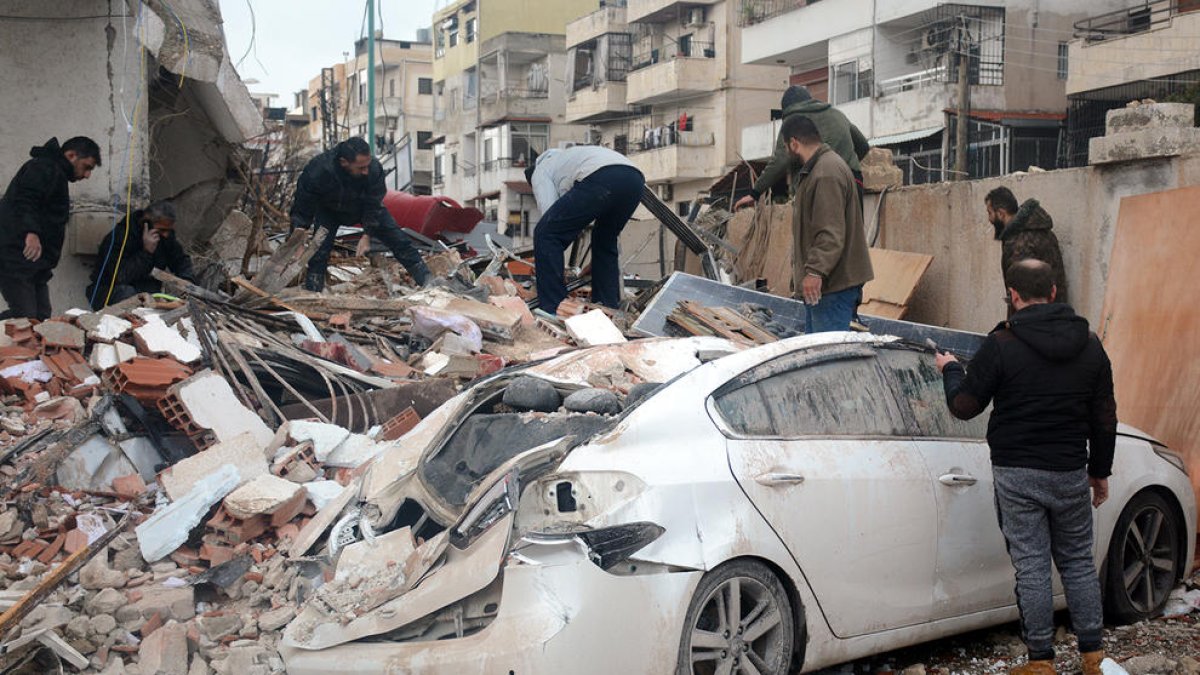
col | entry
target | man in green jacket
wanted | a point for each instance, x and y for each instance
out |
(836, 131)
(830, 261)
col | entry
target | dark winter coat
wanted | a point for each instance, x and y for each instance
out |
(1028, 235)
(836, 131)
(136, 262)
(328, 196)
(37, 200)
(827, 228)
(1050, 383)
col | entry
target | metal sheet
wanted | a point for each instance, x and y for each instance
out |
(788, 312)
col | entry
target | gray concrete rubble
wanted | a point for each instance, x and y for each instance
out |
(1145, 130)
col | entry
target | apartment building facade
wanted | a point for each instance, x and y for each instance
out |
(893, 68)
(1145, 51)
(662, 82)
(499, 96)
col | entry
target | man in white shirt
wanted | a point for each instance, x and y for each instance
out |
(574, 187)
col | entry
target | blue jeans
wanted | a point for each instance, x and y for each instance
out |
(834, 311)
(609, 197)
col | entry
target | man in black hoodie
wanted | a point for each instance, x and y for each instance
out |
(33, 222)
(1052, 433)
(344, 186)
(135, 247)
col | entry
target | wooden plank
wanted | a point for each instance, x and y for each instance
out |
(897, 274)
(285, 263)
(883, 309)
(1151, 319)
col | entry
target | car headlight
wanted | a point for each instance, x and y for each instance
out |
(606, 546)
(498, 501)
(1171, 457)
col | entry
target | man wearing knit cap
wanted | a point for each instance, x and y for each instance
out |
(836, 131)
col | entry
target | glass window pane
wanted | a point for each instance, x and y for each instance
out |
(920, 385)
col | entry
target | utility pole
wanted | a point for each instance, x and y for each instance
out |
(371, 75)
(961, 137)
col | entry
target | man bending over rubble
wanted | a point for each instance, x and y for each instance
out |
(33, 222)
(574, 187)
(136, 247)
(344, 186)
(1052, 434)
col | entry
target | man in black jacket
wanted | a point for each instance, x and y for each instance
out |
(135, 247)
(344, 186)
(33, 222)
(1052, 433)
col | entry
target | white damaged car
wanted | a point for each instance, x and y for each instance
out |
(762, 511)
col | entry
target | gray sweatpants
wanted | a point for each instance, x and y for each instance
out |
(1044, 515)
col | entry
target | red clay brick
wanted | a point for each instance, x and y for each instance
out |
(152, 624)
(129, 487)
(235, 530)
(76, 540)
(185, 557)
(400, 424)
(46, 556)
(290, 509)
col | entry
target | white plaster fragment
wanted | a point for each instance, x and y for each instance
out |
(594, 328)
(263, 495)
(354, 452)
(243, 452)
(109, 328)
(212, 404)
(169, 527)
(324, 437)
(321, 492)
(158, 338)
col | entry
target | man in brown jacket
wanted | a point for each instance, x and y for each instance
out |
(830, 257)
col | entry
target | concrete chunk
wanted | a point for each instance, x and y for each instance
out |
(158, 339)
(165, 651)
(211, 403)
(59, 334)
(263, 495)
(105, 327)
(324, 437)
(243, 453)
(168, 528)
(354, 452)
(594, 328)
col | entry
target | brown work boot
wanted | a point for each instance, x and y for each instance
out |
(1091, 662)
(1038, 667)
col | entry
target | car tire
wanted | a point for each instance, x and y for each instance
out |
(1138, 580)
(763, 633)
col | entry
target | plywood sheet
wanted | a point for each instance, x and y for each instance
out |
(1151, 320)
(897, 274)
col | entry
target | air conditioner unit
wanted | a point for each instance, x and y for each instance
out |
(694, 17)
(592, 137)
(664, 191)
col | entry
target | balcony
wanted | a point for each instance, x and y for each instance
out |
(656, 11)
(596, 103)
(591, 26)
(515, 102)
(696, 156)
(789, 30)
(1149, 45)
(657, 79)
(758, 140)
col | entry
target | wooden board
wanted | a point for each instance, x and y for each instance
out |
(1151, 319)
(897, 274)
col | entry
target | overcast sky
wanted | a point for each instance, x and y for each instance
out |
(296, 38)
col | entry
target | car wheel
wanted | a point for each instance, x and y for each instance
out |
(1143, 560)
(740, 621)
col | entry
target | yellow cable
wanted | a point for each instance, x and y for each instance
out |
(129, 188)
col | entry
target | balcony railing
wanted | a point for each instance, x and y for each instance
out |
(504, 163)
(1129, 21)
(922, 78)
(589, 81)
(509, 93)
(690, 49)
(665, 136)
(751, 12)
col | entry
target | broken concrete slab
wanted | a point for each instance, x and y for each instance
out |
(60, 334)
(515, 305)
(176, 603)
(93, 465)
(169, 527)
(353, 452)
(594, 328)
(109, 356)
(363, 560)
(104, 327)
(262, 496)
(211, 404)
(165, 651)
(244, 453)
(321, 492)
(324, 437)
(158, 339)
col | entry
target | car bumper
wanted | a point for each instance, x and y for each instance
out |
(558, 613)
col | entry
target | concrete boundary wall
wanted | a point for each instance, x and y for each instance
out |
(963, 288)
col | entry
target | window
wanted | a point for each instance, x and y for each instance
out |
(685, 45)
(423, 138)
(683, 208)
(314, 113)
(920, 386)
(362, 86)
(424, 86)
(621, 144)
(453, 37)
(392, 87)
(453, 163)
(472, 23)
(439, 46)
(840, 393)
(1063, 50)
(527, 137)
(849, 83)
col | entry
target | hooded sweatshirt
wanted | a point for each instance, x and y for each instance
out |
(37, 201)
(836, 131)
(1028, 235)
(1050, 384)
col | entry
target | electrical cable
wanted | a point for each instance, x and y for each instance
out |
(187, 46)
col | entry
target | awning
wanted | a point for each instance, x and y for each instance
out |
(895, 139)
(1004, 115)
(495, 194)
(519, 186)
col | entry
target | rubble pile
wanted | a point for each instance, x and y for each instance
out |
(166, 460)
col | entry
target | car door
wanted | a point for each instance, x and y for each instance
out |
(812, 440)
(973, 571)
